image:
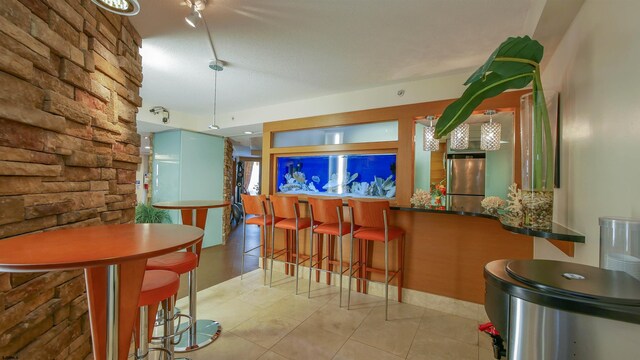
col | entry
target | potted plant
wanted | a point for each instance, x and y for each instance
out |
(514, 65)
(147, 214)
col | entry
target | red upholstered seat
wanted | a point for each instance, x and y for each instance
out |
(157, 286)
(178, 262)
(377, 234)
(290, 224)
(259, 220)
(333, 229)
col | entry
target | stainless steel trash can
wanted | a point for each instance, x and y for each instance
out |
(557, 310)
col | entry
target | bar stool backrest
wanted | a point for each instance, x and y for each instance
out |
(283, 206)
(369, 213)
(323, 210)
(253, 204)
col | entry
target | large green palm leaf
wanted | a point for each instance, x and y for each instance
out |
(511, 66)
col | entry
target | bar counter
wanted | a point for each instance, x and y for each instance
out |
(446, 249)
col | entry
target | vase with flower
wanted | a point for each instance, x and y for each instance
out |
(439, 195)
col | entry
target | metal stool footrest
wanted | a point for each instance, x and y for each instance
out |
(166, 352)
(179, 333)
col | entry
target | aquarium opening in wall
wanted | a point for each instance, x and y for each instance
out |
(371, 175)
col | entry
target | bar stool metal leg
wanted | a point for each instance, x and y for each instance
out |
(386, 267)
(350, 259)
(168, 307)
(263, 251)
(244, 243)
(340, 252)
(202, 332)
(143, 348)
(311, 261)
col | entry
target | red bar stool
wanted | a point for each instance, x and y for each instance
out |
(257, 205)
(372, 219)
(157, 286)
(285, 212)
(327, 219)
(180, 263)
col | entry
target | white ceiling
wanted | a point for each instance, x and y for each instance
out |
(284, 50)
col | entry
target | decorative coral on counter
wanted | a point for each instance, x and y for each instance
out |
(421, 199)
(514, 214)
(492, 204)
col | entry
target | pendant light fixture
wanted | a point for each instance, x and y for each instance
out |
(216, 66)
(460, 137)
(430, 143)
(490, 133)
(120, 7)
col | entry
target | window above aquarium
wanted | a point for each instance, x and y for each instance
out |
(351, 134)
(358, 175)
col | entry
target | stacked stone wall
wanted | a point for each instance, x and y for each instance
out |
(70, 76)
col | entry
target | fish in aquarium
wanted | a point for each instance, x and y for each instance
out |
(297, 182)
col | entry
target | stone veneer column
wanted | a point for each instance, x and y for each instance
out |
(69, 82)
(227, 188)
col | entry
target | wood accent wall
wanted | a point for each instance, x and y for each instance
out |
(438, 170)
(404, 147)
(70, 75)
(445, 254)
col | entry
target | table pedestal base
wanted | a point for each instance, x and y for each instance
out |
(207, 331)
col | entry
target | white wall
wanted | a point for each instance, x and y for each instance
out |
(595, 69)
(429, 89)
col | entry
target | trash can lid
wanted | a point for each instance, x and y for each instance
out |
(576, 280)
(611, 221)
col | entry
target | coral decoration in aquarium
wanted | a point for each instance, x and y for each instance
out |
(371, 175)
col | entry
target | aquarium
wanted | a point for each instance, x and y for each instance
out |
(360, 175)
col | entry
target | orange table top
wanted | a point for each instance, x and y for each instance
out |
(93, 246)
(192, 204)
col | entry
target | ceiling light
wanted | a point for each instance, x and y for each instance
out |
(216, 66)
(248, 132)
(490, 133)
(120, 7)
(194, 16)
(430, 143)
(460, 137)
(147, 147)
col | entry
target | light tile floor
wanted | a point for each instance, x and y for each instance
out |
(273, 323)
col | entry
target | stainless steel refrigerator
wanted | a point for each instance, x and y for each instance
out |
(465, 181)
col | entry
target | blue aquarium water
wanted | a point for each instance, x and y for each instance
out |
(371, 175)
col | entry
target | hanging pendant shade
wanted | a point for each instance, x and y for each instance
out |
(430, 143)
(490, 134)
(460, 137)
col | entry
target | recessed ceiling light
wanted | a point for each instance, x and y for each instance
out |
(147, 147)
(146, 138)
(248, 132)
(120, 7)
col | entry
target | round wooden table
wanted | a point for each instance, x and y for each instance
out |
(108, 254)
(203, 332)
